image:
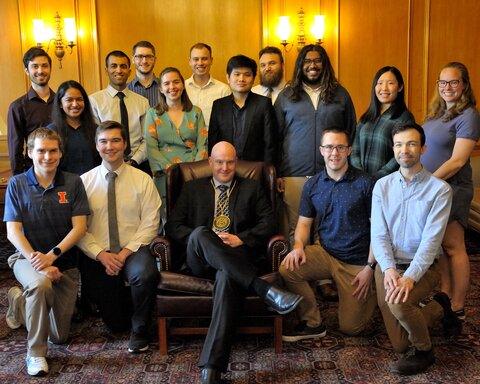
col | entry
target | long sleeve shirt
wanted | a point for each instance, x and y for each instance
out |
(409, 221)
(106, 106)
(138, 209)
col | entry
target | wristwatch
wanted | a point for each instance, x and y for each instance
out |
(57, 251)
(372, 265)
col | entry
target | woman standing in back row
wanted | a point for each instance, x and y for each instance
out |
(452, 128)
(373, 146)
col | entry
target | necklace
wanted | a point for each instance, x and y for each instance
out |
(221, 222)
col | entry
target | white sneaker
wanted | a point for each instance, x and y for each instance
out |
(37, 366)
(13, 294)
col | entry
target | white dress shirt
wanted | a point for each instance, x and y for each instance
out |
(106, 106)
(138, 209)
(262, 90)
(204, 97)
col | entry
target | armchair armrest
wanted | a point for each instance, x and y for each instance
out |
(276, 251)
(161, 247)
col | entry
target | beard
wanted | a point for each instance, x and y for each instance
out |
(271, 79)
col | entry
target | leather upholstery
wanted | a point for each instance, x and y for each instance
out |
(184, 296)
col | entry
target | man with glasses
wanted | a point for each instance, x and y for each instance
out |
(314, 101)
(339, 198)
(145, 83)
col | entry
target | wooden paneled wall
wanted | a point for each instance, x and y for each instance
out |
(417, 36)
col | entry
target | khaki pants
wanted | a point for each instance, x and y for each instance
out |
(407, 322)
(46, 308)
(353, 315)
(291, 203)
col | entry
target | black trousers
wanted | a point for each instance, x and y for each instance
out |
(123, 307)
(234, 272)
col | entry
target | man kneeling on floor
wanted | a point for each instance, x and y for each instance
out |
(224, 223)
(339, 197)
(410, 210)
(46, 214)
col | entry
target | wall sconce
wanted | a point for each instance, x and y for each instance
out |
(284, 30)
(318, 28)
(40, 35)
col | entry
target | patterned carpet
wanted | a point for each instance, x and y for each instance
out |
(94, 355)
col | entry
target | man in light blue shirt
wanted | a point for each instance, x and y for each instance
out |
(410, 210)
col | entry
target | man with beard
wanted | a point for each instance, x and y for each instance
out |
(410, 210)
(272, 80)
(145, 83)
(201, 87)
(244, 119)
(31, 110)
(313, 102)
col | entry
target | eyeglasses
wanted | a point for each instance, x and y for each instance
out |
(339, 148)
(141, 57)
(444, 83)
(310, 61)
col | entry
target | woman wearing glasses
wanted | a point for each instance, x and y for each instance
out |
(452, 128)
(174, 131)
(372, 149)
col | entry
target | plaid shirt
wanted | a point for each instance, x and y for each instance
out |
(373, 146)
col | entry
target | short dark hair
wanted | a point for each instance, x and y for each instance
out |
(335, 130)
(271, 50)
(201, 46)
(34, 52)
(143, 44)
(117, 54)
(241, 61)
(110, 124)
(43, 133)
(404, 126)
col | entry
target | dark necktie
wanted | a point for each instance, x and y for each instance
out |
(124, 120)
(222, 205)
(269, 92)
(113, 236)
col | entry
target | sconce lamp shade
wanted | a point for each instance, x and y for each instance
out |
(39, 31)
(70, 31)
(284, 28)
(318, 27)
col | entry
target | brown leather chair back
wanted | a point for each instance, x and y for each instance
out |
(179, 174)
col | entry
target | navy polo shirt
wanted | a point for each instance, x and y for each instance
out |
(46, 214)
(343, 211)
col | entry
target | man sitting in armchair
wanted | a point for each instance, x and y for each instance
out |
(224, 222)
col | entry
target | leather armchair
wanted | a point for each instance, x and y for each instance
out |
(185, 296)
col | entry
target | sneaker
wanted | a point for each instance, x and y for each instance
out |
(137, 343)
(415, 363)
(452, 325)
(460, 314)
(37, 366)
(13, 294)
(302, 332)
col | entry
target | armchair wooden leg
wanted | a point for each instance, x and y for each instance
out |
(162, 335)
(277, 333)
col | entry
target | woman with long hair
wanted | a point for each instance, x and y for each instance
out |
(175, 131)
(373, 146)
(452, 128)
(73, 120)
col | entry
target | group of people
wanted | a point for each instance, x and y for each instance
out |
(363, 211)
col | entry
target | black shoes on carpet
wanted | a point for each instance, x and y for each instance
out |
(302, 332)
(418, 362)
(211, 376)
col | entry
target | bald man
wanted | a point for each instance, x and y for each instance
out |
(224, 222)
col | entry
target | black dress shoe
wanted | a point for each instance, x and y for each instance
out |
(210, 376)
(414, 364)
(281, 301)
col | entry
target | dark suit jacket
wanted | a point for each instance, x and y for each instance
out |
(260, 126)
(251, 215)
